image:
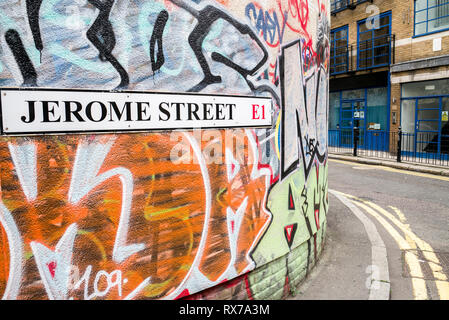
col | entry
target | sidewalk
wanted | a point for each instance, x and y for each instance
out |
(341, 271)
(442, 171)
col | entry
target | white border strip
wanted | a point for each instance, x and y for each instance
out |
(380, 284)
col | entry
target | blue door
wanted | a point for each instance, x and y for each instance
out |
(352, 114)
(428, 125)
(432, 127)
(430, 138)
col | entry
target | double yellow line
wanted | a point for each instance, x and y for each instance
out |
(409, 243)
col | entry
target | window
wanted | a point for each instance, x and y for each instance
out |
(425, 116)
(377, 108)
(339, 50)
(374, 42)
(431, 16)
(334, 110)
(368, 109)
(425, 88)
(338, 5)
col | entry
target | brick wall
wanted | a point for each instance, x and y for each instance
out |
(407, 47)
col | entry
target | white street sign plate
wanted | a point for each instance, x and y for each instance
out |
(35, 111)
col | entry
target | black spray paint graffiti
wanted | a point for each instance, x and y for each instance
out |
(102, 37)
(206, 18)
(33, 7)
(325, 195)
(301, 107)
(26, 67)
(322, 39)
(157, 60)
(305, 208)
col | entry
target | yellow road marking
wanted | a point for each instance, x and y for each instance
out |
(441, 283)
(413, 173)
(413, 241)
(404, 220)
(418, 283)
(428, 251)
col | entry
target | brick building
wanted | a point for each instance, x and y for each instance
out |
(390, 69)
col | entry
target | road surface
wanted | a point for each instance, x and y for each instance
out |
(388, 236)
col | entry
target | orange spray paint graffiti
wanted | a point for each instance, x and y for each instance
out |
(167, 215)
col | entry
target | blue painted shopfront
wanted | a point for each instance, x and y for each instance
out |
(368, 109)
(425, 118)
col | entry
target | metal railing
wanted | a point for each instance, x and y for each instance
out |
(424, 148)
(373, 53)
(376, 52)
(339, 5)
(341, 60)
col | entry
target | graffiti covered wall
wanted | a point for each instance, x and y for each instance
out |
(164, 215)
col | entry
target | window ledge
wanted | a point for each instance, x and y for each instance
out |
(429, 33)
(424, 63)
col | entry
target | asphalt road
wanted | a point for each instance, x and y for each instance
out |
(407, 212)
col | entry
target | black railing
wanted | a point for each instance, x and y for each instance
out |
(342, 60)
(339, 5)
(372, 53)
(425, 148)
(376, 52)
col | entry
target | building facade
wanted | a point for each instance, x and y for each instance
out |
(390, 70)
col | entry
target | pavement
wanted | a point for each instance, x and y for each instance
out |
(335, 277)
(387, 234)
(423, 168)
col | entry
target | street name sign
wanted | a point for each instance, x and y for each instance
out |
(40, 111)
